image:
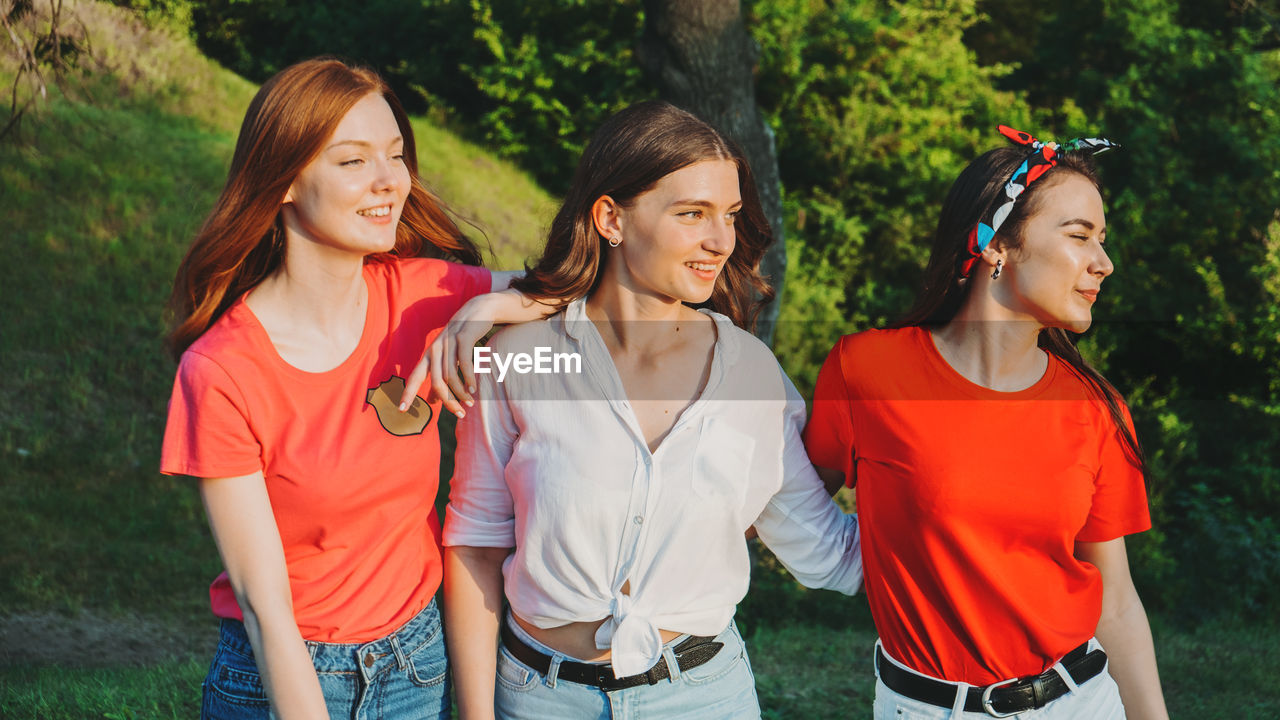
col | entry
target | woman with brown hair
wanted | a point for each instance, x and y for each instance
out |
(300, 308)
(608, 502)
(997, 473)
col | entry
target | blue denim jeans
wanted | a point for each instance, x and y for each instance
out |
(723, 688)
(403, 676)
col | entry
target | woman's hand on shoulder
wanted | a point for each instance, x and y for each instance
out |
(448, 359)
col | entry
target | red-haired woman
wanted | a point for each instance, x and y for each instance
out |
(301, 306)
(997, 473)
(607, 500)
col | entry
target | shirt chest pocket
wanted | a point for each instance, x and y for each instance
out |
(722, 462)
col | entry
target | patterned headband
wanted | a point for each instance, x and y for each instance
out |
(1043, 156)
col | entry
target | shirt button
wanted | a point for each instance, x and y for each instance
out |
(368, 659)
(638, 519)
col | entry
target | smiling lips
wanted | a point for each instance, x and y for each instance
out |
(706, 271)
(381, 213)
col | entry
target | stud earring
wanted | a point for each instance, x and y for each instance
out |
(615, 241)
(995, 274)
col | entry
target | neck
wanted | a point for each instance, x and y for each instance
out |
(632, 321)
(991, 346)
(317, 287)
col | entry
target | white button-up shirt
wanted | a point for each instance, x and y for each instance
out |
(556, 466)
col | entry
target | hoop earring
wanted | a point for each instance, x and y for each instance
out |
(995, 274)
(615, 241)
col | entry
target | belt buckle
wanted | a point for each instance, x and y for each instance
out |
(986, 699)
(605, 679)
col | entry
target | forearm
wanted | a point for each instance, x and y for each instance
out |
(472, 604)
(506, 307)
(284, 664)
(1126, 636)
(244, 528)
(448, 359)
(812, 536)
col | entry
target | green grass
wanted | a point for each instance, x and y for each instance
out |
(813, 671)
(512, 210)
(54, 693)
(1221, 671)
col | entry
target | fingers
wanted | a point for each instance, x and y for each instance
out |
(414, 382)
(459, 369)
(444, 374)
(447, 361)
(467, 335)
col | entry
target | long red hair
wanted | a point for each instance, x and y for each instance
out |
(285, 127)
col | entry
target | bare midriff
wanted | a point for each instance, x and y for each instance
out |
(577, 639)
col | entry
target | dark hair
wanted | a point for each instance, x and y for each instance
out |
(285, 127)
(627, 156)
(978, 188)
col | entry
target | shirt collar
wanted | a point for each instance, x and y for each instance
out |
(575, 313)
(728, 343)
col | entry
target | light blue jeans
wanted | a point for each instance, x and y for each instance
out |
(1097, 699)
(403, 676)
(723, 688)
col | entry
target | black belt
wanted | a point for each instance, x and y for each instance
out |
(690, 653)
(1001, 699)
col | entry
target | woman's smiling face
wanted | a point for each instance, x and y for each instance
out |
(349, 197)
(1055, 275)
(678, 235)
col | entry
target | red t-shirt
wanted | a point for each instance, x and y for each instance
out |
(352, 480)
(970, 503)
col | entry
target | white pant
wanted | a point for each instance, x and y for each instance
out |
(1097, 699)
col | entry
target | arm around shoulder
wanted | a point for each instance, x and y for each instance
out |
(812, 536)
(448, 359)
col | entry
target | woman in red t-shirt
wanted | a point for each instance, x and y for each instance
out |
(996, 471)
(301, 308)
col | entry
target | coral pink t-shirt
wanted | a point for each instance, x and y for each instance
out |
(352, 481)
(970, 503)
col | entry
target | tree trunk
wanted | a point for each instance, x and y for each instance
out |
(701, 58)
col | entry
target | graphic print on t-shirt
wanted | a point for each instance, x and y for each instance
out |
(385, 399)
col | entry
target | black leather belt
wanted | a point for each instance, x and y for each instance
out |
(1001, 699)
(690, 653)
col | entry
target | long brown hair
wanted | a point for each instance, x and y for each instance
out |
(627, 156)
(285, 127)
(978, 187)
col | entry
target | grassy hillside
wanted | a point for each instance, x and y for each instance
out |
(100, 193)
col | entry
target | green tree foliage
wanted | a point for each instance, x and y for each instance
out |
(1189, 90)
(547, 74)
(413, 44)
(530, 80)
(877, 106)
